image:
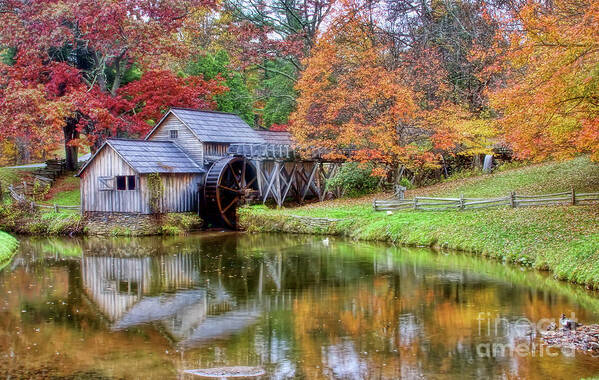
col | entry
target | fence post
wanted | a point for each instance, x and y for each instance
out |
(55, 208)
(374, 204)
(513, 199)
(415, 203)
(573, 196)
(461, 201)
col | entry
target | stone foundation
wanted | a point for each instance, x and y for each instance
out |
(114, 223)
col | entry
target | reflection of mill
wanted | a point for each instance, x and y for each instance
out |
(165, 290)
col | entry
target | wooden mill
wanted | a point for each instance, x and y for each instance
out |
(207, 162)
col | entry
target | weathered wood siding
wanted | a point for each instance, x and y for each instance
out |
(180, 190)
(107, 164)
(215, 149)
(186, 139)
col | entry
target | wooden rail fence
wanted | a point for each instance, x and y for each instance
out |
(462, 203)
(20, 194)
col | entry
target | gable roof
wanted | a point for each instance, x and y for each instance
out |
(146, 157)
(275, 137)
(212, 126)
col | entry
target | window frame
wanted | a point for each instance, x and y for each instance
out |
(173, 133)
(127, 183)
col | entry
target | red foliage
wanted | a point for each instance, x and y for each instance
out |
(64, 50)
(279, 127)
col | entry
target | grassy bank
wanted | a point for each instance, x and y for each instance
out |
(8, 245)
(564, 240)
(20, 219)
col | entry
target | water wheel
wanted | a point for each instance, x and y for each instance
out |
(230, 181)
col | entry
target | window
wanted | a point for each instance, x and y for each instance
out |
(131, 182)
(121, 182)
(125, 182)
(174, 133)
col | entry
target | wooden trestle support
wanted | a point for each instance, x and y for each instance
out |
(278, 179)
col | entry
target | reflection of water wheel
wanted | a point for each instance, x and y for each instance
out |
(229, 182)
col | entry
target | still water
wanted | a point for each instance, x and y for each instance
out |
(296, 306)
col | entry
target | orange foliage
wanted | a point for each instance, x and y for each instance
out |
(550, 104)
(351, 97)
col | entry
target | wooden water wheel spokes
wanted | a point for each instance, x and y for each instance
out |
(229, 182)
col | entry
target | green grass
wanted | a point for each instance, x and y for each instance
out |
(562, 239)
(66, 193)
(8, 245)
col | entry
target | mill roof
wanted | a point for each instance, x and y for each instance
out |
(217, 127)
(276, 137)
(147, 157)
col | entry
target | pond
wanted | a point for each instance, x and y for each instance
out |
(293, 306)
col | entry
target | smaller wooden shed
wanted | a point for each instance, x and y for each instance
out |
(115, 179)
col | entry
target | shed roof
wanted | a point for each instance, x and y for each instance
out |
(276, 137)
(147, 157)
(218, 127)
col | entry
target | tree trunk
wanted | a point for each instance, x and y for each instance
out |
(70, 133)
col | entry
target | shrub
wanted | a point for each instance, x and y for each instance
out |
(179, 223)
(168, 229)
(406, 183)
(20, 218)
(354, 179)
(40, 190)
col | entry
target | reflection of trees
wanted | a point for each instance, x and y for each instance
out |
(291, 303)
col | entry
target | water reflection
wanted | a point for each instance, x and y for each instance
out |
(295, 305)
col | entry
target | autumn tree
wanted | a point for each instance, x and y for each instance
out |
(447, 51)
(351, 97)
(143, 102)
(101, 40)
(439, 43)
(549, 105)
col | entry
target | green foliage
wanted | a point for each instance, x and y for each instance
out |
(19, 218)
(406, 183)
(354, 179)
(238, 99)
(156, 190)
(170, 230)
(279, 92)
(7, 55)
(132, 73)
(40, 190)
(121, 231)
(179, 223)
(60, 223)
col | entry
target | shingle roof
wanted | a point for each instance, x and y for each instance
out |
(152, 156)
(218, 127)
(276, 137)
(155, 156)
